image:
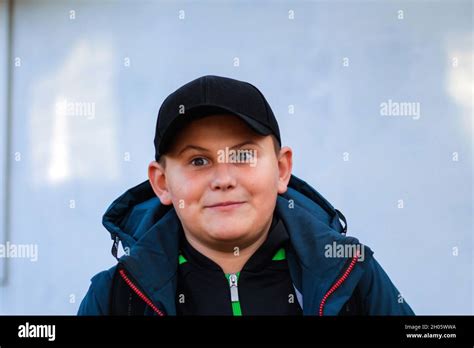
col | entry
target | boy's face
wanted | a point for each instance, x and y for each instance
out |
(198, 177)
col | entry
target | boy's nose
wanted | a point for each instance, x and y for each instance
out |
(223, 177)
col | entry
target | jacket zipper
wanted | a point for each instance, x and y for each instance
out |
(233, 279)
(337, 284)
(139, 293)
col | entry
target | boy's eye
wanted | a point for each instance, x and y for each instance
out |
(199, 161)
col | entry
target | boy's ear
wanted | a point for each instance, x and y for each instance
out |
(285, 166)
(156, 175)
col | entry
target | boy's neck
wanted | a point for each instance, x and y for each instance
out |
(234, 260)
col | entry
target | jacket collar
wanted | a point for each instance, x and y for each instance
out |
(277, 238)
(312, 272)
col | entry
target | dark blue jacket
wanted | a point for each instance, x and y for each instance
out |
(324, 285)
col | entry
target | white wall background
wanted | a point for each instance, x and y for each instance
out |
(426, 247)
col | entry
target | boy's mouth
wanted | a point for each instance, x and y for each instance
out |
(225, 206)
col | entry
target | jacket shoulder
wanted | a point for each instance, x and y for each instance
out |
(97, 299)
(379, 294)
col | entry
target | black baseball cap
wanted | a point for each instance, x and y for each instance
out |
(210, 95)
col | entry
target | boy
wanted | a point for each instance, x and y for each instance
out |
(222, 227)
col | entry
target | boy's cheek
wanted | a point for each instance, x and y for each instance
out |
(181, 190)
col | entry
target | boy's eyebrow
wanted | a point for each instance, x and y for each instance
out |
(189, 147)
(199, 148)
(247, 142)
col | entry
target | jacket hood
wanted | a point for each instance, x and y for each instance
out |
(149, 230)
